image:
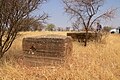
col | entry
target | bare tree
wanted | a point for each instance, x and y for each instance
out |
(12, 15)
(76, 25)
(67, 29)
(86, 12)
(31, 24)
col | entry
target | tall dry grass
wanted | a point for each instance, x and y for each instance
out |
(97, 61)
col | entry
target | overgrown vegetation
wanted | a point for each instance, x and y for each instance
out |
(96, 61)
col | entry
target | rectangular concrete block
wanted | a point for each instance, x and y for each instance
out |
(46, 49)
(92, 36)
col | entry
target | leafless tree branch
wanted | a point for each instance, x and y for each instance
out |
(12, 15)
(85, 11)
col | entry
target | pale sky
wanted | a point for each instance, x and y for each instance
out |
(55, 9)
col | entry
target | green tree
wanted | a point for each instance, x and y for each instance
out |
(107, 28)
(50, 27)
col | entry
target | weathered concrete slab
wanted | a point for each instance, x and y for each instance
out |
(47, 49)
(80, 36)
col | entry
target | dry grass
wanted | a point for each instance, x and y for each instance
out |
(97, 61)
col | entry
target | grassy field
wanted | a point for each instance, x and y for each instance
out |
(97, 61)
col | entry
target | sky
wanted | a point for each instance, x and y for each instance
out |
(57, 16)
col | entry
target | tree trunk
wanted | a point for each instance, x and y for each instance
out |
(1, 53)
(86, 37)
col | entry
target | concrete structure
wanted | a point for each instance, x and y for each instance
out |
(47, 49)
(80, 36)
